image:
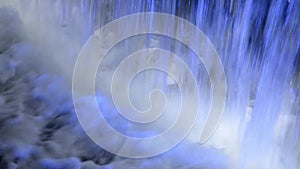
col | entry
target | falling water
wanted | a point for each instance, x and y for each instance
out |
(259, 46)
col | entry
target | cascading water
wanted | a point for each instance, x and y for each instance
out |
(258, 44)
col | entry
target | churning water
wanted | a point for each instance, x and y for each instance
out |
(258, 43)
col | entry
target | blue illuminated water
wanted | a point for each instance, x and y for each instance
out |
(258, 43)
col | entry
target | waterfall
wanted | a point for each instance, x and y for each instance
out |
(258, 43)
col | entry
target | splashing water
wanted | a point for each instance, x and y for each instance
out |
(258, 44)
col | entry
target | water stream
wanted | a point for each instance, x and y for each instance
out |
(258, 43)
